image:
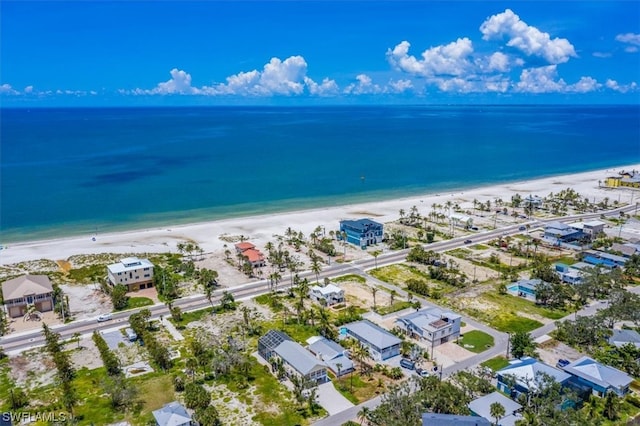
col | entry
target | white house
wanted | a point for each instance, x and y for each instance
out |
(327, 295)
(133, 272)
(461, 220)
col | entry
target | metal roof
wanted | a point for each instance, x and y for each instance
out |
(481, 406)
(327, 349)
(623, 337)
(433, 419)
(172, 414)
(361, 224)
(298, 357)
(600, 374)
(326, 290)
(373, 334)
(527, 372)
(428, 318)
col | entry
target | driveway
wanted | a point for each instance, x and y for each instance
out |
(332, 400)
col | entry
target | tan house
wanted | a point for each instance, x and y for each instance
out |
(26, 290)
(135, 273)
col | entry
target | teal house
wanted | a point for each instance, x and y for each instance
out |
(361, 232)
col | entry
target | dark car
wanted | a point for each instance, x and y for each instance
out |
(522, 228)
(563, 363)
(468, 241)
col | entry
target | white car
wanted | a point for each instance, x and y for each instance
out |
(104, 317)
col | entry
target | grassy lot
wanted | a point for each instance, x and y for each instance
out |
(480, 247)
(357, 388)
(519, 304)
(476, 341)
(188, 317)
(156, 390)
(261, 385)
(496, 363)
(397, 306)
(350, 277)
(399, 274)
(87, 274)
(567, 260)
(138, 302)
(298, 332)
(513, 324)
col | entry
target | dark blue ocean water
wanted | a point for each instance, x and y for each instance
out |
(70, 171)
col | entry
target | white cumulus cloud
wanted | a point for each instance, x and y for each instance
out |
(630, 38)
(364, 86)
(400, 86)
(6, 89)
(326, 88)
(450, 59)
(622, 88)
(545, 80)
(526, 38)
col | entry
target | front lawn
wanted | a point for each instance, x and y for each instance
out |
(397, 306)
(138, 302)
(349, 278)
(476, 341)
(497, 363)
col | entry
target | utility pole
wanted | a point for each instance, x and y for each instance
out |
(508, 344)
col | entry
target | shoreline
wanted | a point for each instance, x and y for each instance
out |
(260, 229)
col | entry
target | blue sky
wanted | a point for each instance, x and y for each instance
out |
(81, 53)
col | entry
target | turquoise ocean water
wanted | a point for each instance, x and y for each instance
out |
(74, 171)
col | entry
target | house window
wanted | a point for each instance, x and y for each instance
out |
(146, 269)
(147, 275)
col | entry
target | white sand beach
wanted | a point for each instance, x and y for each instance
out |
(261, 229)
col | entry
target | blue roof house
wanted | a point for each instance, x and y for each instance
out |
(620, 338)
(527, 374)
(433, 419)
(525, 288)
(362, 232)
(558, 232)
(381, 344)
(600, 378)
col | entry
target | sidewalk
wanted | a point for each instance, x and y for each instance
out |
(168, 325)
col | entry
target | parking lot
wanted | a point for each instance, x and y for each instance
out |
(114, 338)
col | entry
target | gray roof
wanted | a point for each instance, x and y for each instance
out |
(481, 406)
(530, 284)
(326, 348)
(623, 337)
(26, 285)
(527, 370)
(172, 414)
(625, 249)
(345, 364)
(433, 419)
(426, 318)
(599, 374)
(298, 357)
(373, 334)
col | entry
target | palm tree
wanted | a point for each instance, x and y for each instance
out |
(496, 410)
(316, 268)
(363, 415)
(375, 255)
(180, 248)
(339, 367)
(374, 290)
(392, 296)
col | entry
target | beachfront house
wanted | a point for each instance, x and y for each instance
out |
(533, 202)
(248, 252)
(334, 355)
(328, 295)
(525, 374)
(625, 250)
(380, 343)
(136, 274)
(461, 220)
(172, 414)
(482, 407)
(620, 338)
(433, 326)
(524, 288)
(598, 377)
(361, 232)
(625, 179)
(19, 293)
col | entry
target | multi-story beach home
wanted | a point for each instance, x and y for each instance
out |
(461, 220)
(598, 377)
(334, 355)
(381, 344)
(327, 295)
(433, 326)
(626, 179)
(26, 290)
(361, 232)
(525, 374)
(135, 273)
(558, 232)
(249, 252)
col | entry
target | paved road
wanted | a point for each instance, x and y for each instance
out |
(31, 339)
